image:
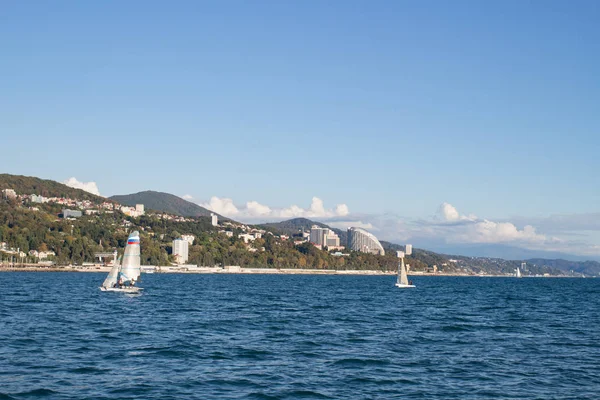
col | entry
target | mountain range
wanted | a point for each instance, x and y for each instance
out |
(44, 187)
(164, 202)
(168, 203)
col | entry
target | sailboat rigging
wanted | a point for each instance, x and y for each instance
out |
(402, 281)
(124, 275)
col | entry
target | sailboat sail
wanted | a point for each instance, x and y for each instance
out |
(518, 272)
(130, 266)
(402, 276)
(111, 279)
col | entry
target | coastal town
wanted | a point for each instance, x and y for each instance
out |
(181, 244)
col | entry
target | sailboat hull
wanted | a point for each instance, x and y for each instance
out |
(403, 286)
(122, 290)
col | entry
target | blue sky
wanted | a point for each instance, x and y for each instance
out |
(391, 108)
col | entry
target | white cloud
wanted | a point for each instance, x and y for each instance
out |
(187, 197)
(343, 225)
(316, 207)
(90, 187)
(223, 206)
(485, 231)
(451, 227)
(253, 210)
(447, 212)
(469, 229)
(342, 210)
(448, 226)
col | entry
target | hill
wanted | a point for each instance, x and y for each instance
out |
(293, 227)
(45, 187)
(423, 259)
(581, 267)
(164, 202)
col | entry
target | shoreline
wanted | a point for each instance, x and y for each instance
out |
(250, 271)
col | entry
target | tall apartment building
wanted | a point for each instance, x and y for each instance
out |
(316, 235)
(180, 250)
(363, 241)
(324, 237)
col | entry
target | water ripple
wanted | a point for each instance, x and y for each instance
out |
(299, 337)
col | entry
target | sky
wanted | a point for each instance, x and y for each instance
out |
(447, 124)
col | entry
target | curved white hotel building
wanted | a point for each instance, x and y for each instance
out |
(361, 240)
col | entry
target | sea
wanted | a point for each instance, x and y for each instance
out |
(299, 337)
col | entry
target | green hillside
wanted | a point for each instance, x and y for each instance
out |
(44, 187)
(164, 202)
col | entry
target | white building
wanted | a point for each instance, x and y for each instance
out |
(139, 209)
(180, 250)
(324, 237)
(9, 193)
(34, 198)
(189, 238)
(135, 212)
(246, 237)
(317, 235)
(214, 218)
(363, 241)
(332, 240)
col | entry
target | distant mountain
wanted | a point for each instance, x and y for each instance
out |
(297, 225)
(476, 258)
(45, 187)
(293, 226)
(164, 202)
(506, 252)
(582, 267)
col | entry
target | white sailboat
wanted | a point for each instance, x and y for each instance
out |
(123, 276)
(518, 274)
(402, 281)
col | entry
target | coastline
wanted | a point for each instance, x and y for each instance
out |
(247, 271)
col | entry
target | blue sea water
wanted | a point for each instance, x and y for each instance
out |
(299, 337)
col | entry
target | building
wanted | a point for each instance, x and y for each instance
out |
(71, 213)
(317, 235)
(246, 237)
(34, 198)
(332, 239)
(139, 209)
(9, 194)
(180, 250)
(324, 237)
(135, 212)
(214, 219)
(363, 241)
(189, 238)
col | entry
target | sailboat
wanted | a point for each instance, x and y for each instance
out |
(518, 274)
(123, 276)
(402, 275)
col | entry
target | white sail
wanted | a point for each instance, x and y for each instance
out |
(402, 276)
(111, 279)
(130, 266)
(518, 273)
